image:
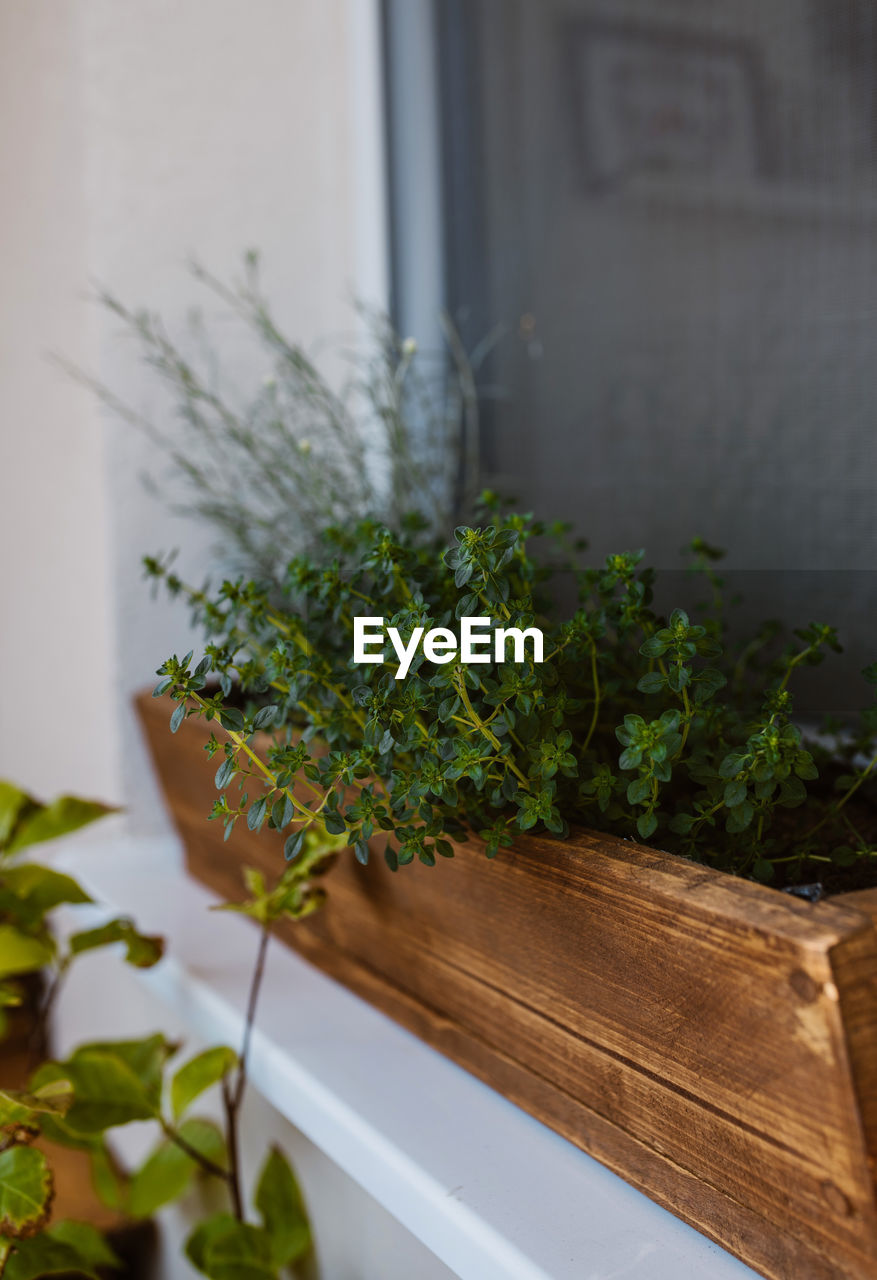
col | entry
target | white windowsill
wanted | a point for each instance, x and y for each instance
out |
(492, 1192)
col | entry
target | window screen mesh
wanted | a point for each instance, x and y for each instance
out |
(672, 206)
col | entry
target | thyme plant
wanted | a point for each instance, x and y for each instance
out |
(78, 1101)
(647, 726)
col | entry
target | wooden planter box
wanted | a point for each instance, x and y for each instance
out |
(711, 1040)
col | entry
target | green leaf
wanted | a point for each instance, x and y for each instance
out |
(145, 1057)
(652, 682)
(200, 1074)
(110, 1185)
(141, 950)
(66, 1249)
(225, 773)
(639, 790)
(293, 845)
(26, 1190)
(265, 717)
(18, 1108)
(735, 793)
(21, 953)
(178, 716)
(169, 1169)
(281, 1206)
(108, 1089)
(256, 813)
(66, 814)
(39, 890)
(12, 801)
(224, 1249)
(646, 825)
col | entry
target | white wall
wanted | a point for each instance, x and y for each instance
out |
(134, 135)
(56, 651)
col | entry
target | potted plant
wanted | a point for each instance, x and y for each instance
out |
(56, 1115)
(663, 1004)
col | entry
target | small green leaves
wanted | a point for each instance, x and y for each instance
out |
(637, 723)
(178, 716)
(26, 1191)
(200, 1074)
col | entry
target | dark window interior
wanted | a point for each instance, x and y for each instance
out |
(671, 207)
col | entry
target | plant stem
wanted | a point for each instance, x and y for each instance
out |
(208, 1165)
(39, 1035)
(597, 696)
(233, 1095)
(488, 733)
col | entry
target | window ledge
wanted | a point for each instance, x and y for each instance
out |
(490, 1191)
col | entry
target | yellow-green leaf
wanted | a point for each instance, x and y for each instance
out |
(26, 1191)
(21, 953)
(141, 950)
(66, 814)
(106, 1093)
(200, 1074)
(12, 802)
(19, 1108)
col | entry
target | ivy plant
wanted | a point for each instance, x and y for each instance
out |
(649, 725)
(78, 1101)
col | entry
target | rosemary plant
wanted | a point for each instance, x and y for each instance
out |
(376, 428)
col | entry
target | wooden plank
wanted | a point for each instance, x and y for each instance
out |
(708, 1038)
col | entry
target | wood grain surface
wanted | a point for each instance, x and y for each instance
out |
(711, 1040)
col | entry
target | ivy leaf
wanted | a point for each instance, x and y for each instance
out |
(22, 953)
(26, 1191)
(200, 1074)
(66, 814)
(141, 950)
(281, 1206)
(68, 1248)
